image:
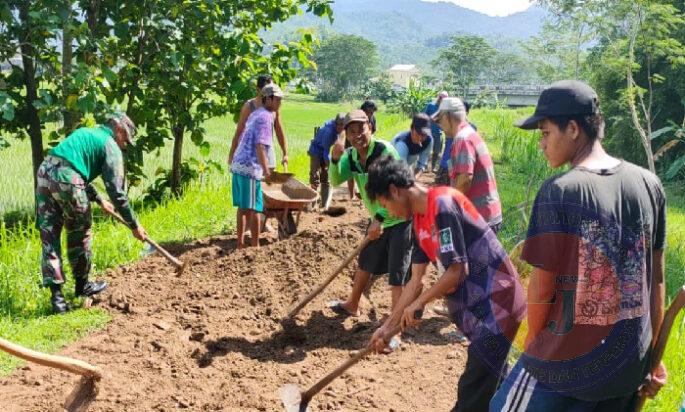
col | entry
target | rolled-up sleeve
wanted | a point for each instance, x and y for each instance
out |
(113, 177)
(340, 172)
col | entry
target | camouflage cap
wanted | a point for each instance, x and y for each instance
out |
(125, 122)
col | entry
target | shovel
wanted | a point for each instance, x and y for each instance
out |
(295, 400)
(85, 391)
(660, 345)
(297, 308)
(180, 266)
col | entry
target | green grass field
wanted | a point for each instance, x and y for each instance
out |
(205, 210)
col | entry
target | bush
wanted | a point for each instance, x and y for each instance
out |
(412, 100)
(380, 88)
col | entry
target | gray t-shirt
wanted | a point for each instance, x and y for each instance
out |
(595, 230)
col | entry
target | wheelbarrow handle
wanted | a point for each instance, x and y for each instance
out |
(295, 310)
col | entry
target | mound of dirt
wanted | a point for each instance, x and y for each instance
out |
(212, 339)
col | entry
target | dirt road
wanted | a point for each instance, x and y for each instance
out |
(211, 340)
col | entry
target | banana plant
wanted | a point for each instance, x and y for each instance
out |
(676, 133)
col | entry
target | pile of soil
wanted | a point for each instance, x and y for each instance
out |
(212, 339)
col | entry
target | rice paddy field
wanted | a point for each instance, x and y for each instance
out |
(205, 209)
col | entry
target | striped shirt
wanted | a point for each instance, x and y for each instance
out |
(470, 156)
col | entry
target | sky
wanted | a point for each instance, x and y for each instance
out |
(492, 7)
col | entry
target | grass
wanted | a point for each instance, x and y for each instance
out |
(205, 210)
(300, 113)
(48, 334)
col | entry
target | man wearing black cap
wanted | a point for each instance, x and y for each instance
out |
(595, 240)
(414, 146)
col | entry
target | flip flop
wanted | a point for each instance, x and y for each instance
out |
(459, 338)
(337, 307)
(393, 345)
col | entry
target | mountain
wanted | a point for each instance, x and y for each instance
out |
(410, 31)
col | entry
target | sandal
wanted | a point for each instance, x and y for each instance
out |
(338, 307)
(459, 337)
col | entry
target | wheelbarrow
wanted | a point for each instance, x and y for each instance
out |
(284, 200)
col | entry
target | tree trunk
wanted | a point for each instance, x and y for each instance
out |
(93, 19)
(139, 62)
(645, 137)
(178, 131)
(67, 56)
(30, 113)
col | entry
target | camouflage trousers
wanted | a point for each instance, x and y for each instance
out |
(61, 201)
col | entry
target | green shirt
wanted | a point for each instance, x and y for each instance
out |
(93, 152)
(350, 167)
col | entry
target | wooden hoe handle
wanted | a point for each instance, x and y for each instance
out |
(666, 326)
(295, 310)
(160, 249)
(53, 361)
(316, 388)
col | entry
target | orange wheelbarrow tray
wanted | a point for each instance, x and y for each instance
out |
(284, 199)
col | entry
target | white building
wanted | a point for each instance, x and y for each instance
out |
(400, 74)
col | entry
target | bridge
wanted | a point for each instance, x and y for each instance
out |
(510, 95)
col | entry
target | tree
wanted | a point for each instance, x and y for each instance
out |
(186, 62)
(42, 86)
(639, 42)
(344, 63)
(379, 88)
(465, 60)
(171, 64)
(26, 27)
(559, 52)
(509, 67)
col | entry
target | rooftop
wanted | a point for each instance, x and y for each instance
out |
(403, 67)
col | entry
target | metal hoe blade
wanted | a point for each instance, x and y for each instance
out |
(292, 398)
(148, 250)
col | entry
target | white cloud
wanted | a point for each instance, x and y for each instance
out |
(491, 7)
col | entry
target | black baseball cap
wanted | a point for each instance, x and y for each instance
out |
(564, 98)
(422, 124)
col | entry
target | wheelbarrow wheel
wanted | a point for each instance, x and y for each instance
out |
(287, 227)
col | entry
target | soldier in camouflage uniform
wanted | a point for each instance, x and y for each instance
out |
(63, 195)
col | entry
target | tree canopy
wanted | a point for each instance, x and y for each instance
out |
(171, 64)
(344, 63)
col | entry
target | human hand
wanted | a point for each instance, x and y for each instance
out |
(377, 341)
(140, 233)
(412, 315)
(657, 381)
(375, 230)
(338, 150)
(284, 161)
(107, 206)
